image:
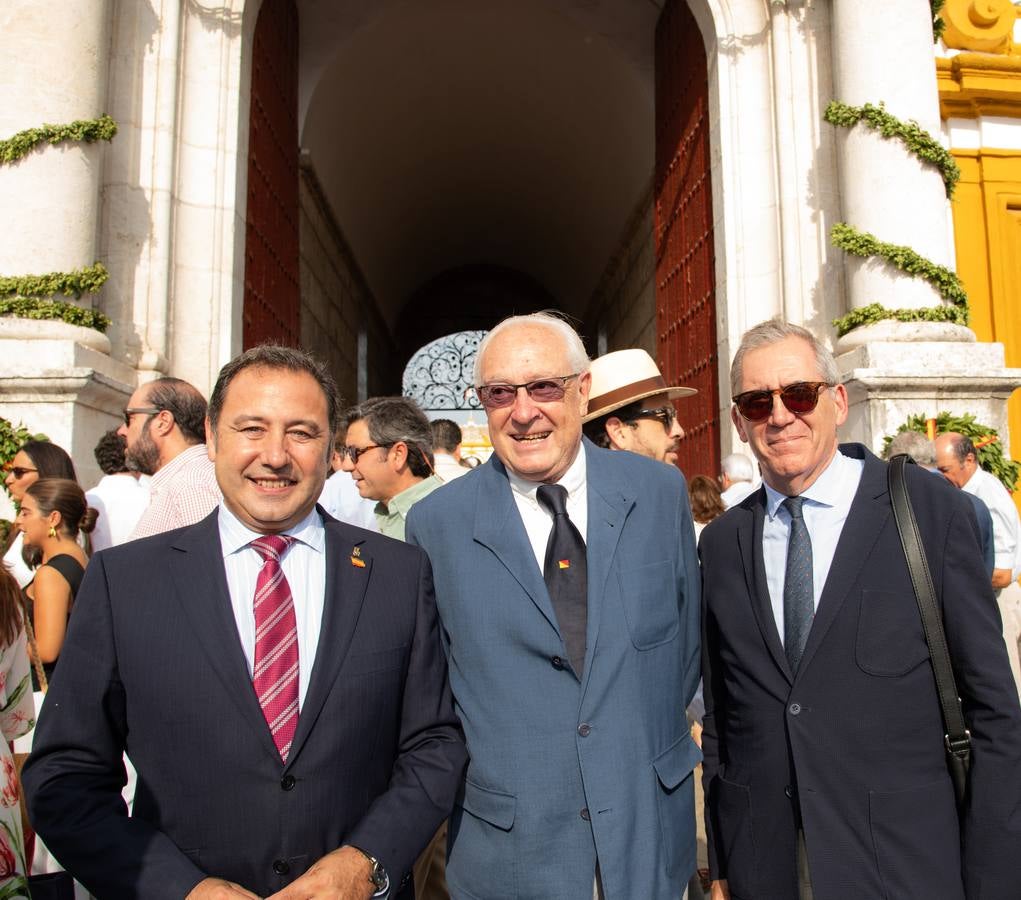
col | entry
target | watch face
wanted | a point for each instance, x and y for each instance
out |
(378, 876)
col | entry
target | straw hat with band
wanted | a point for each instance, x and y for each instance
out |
(626, 376)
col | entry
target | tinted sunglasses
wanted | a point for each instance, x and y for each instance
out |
(20, 472)
(139, 411)
(665, 415)
(355, 453)
(542, 390)
(800, 398)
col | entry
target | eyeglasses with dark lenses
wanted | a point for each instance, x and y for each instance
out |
(20, 471)
(355, 453)
(542, 390)
(139, 411)
(800, 398)
(665, 415)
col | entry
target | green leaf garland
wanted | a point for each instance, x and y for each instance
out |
(82, 130)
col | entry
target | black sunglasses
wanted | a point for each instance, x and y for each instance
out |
(800, 398)
(542, 390)
(139, 411)
(355, 453)
(665, 415)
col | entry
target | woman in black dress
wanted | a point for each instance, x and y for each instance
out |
(52, 512)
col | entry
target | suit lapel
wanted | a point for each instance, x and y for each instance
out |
(346, 584)
(749, 538)
(498, 526)
(607, 511)
(865, 521)
(196, 568)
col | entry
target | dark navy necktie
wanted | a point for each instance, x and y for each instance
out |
(565, 574)
(798, 590)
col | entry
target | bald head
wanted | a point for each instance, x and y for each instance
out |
(956, 458)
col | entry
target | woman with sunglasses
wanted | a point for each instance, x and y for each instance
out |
(52, 512)
(35, 460)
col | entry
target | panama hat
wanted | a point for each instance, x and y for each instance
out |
(623, 377)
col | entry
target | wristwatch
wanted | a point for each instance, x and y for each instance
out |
(377, 874)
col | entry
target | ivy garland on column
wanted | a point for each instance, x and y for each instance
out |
(860, 243)
(32, 296)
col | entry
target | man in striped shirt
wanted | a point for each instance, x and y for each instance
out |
(164, 429)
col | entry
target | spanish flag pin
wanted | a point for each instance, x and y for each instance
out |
(565, 564)
(355, 561)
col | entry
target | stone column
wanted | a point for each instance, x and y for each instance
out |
(55, 72)
(883, 53)
(56, 378)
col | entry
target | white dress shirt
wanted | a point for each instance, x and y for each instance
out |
(736, 493)
(539, 523)
(340, 498)
(304, 566)
(1006, 526)
(827, 503)
(120, 500)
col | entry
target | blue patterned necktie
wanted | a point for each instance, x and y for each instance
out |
(798, 591)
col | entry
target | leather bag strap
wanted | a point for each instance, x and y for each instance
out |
(957, 738)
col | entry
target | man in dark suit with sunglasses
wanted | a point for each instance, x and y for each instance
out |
(566, 580)
(825, 769)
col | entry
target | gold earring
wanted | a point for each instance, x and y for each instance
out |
(53, 532)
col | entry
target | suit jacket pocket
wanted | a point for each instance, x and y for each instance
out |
(649, 594)
(676, 802)
(730, 806)
(890, 640)
(916, 841)
(481, 858)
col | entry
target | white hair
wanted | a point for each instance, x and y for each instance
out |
(737, 467)
(577, 357)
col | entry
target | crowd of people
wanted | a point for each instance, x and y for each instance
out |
(346, 664)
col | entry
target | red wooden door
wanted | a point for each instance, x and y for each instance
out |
(272, 282)
(685, 283)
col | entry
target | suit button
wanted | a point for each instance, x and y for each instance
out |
(288, 782)
(794, 709)
(584, 729)
(281, 866)
(557, 662)
(789, 791)
(585, 815)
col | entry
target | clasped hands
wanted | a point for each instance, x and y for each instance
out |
(340, 875)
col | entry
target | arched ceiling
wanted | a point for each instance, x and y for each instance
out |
(446, 133)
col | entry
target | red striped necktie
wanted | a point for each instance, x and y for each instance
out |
(275, 674)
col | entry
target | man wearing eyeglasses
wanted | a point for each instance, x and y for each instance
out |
(630, 406)
(389, 455)
(825, 767)
(164, 435)
(567, 583)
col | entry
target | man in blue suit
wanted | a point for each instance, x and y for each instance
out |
(825, 769)
(275, 676)
(567, 584)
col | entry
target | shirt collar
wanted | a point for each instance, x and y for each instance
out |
(402, 502)
(573, 480)
(826, 490)
(235, 536)
(164, 474)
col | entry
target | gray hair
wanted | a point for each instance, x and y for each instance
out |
(737, 467)
(390, 420)
(914, 444)
(772, 332)
(577, 356)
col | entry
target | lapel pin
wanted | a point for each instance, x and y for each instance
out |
(565, 564)
(359, 563)
(356, 551)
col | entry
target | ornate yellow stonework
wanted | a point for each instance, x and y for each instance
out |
(986, 25)
(979, 84)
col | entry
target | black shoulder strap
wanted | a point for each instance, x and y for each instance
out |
(957, 738)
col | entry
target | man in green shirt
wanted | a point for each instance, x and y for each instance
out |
(388, 451)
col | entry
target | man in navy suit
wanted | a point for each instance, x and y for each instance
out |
(567, 584)
(275, 676)
(825, 769)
